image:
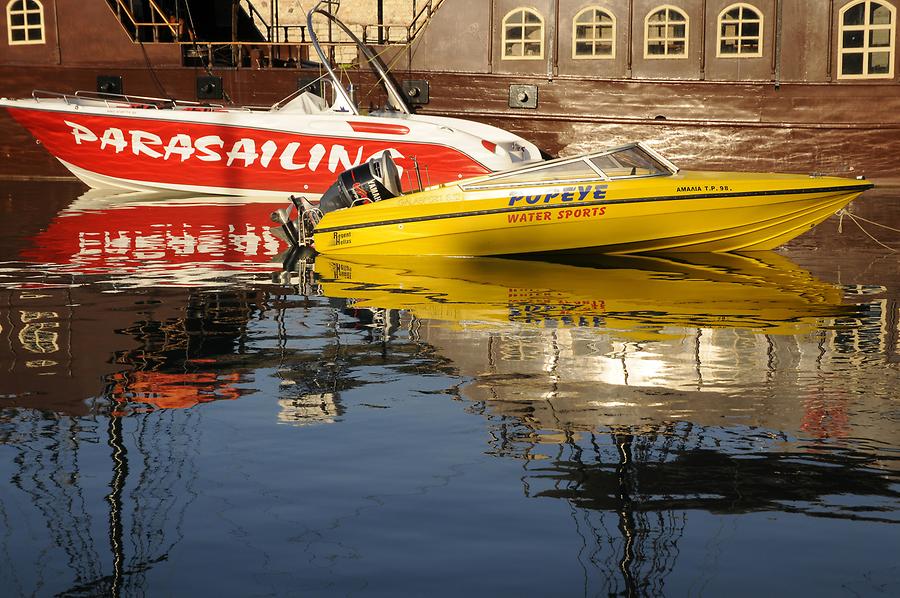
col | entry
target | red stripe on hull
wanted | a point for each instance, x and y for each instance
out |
(363, 127)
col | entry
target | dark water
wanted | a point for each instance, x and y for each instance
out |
(179, 415)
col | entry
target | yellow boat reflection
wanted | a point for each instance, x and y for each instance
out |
(569, 346)
(762, 291)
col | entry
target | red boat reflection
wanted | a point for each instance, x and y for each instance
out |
(159, 238)
(127, 302)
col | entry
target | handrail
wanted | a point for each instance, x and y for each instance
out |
(429, 8)
(287, 28)
(133, 98)
(38, 93)
(113, 99)
(425, 9)
(121, 97)
(253, 11)
(385, 30)
(172, 27)
(155, 8)
(52, 94)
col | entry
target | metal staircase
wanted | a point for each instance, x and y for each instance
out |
(151, 24)
(155, 21)
(282, 45)
(422, 18)
(399, 35)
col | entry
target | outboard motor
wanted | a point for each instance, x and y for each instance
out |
(374, 180)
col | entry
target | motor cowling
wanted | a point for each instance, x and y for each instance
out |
(374, 180)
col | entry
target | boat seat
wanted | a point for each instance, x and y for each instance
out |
(305, 103)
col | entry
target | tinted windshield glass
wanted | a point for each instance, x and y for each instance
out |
(566, 171)
(632, 161)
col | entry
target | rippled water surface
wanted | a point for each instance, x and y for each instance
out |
(180, 413)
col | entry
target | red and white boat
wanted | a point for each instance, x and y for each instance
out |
(296, 146)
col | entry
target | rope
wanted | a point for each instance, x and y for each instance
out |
(408, 46)
(153, 75)
(853, 218)
(206, 67)
(858, 217)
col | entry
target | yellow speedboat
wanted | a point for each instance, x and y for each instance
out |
(623, 200)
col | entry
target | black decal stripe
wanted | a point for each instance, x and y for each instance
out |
(604, 202)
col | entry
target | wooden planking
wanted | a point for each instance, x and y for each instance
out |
(835, 129)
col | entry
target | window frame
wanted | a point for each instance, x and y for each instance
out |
(687, 34)
(504, 25)
(866, 28)
(739, 38)
(12, 9)
(575, 40)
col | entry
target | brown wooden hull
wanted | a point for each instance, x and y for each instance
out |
(797, 127)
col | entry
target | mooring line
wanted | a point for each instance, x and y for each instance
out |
(856, 219)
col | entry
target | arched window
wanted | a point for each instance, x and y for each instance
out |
(523, 35)
(594, 34)
(867, 40)
(666, 33)
(740, 32)
(25, 22)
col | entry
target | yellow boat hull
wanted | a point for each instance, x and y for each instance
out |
(686, 212)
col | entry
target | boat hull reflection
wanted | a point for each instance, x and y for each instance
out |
(173, 279)
(641, 294)
(157, 238)
(569, 346)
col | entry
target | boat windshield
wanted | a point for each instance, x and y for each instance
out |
(567, 171)
(629, 162)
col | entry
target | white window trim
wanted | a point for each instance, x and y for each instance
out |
(503, 40)
(687, 35)
(740, 38)
(865, 50)
(25, 12)
(575, 24)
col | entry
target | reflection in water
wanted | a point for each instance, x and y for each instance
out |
(162, 397)
(191, 252)
(629, 340)
(150, 489)
(146, 239)
(642, 294)
(602, 337)
(640, 389)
